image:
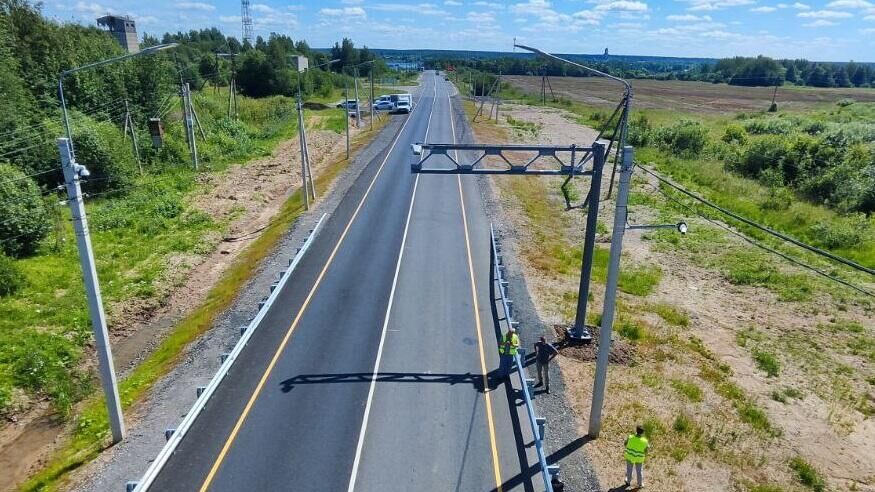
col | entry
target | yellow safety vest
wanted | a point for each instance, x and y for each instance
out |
(636, 447)
(509, 345)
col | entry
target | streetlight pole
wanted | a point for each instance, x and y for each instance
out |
(604, 351)
(306, 171)
(72, 173)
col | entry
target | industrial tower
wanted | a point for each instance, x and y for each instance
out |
(247, 21)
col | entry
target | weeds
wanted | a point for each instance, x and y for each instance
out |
(687, 388)
(767, 362)
(669, 314)
(807, 475)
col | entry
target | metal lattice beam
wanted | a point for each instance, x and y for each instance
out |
(513, 159)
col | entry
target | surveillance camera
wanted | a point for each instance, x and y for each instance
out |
(417, 149)
(682, 227)
(81, 170)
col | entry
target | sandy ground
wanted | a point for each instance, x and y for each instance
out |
(827, 432)
(689, 96)
(245, 197)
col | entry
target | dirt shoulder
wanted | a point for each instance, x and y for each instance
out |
(737, 387)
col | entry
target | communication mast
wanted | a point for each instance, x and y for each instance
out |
(247, 21)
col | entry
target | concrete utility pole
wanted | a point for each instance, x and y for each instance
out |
(358, 109)
(601, 370)
(188, 120)
(346, 106)
(72, 172)
(129, 125)
(371, 104)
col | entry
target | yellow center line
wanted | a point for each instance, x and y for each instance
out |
(491, 421)
(221, 457)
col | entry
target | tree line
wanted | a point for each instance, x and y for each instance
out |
(35, 50)
(743, 71)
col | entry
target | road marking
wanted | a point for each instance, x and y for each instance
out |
(492, 440)
(221, 457)
(361, 442)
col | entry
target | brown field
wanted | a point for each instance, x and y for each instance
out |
(689, 96)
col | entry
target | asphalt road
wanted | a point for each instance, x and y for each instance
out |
(369, 370)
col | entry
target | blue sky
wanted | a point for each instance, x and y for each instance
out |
(817, 30)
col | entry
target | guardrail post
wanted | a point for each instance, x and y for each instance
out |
(273, 286)
(261, 303)
(200, 390)
(541, 421)
(168, 433)
(243, 329)
(130, 485)
(223, 357)
(509, 308)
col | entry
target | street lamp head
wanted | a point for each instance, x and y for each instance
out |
(158, 47)
(682, 227)
(81, 170)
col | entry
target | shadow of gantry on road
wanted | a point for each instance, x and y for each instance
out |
(475, 380)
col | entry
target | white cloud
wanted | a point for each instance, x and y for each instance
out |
(420, 9)
(230, 19)
(484, 17)
(352, 2)
(801, 6)
(491, 5)
(850, 4)
(763, 9)
(623, 5)
(343, 12)
(819, 23)
(870, 30)
(720, 35)
(710, 5)
(262, 8)
(824, 14)
(688, 18)
(453, 3)
(94, 9)
(869, 18)
(206, 7)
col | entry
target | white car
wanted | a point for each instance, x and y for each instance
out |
(384, 105)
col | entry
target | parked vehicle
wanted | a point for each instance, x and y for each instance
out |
(397, 99)
(402, 106)
(384, 104)
(352, 104)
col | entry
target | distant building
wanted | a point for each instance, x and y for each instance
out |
(300, 63)
(123, 29)
(606, 52)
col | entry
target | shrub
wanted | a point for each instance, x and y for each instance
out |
(686, 138)
(640, 131)
(735, 134)
(629, 329)
(11, 278)
(682, 424)
(769, 126)
(100, 148)
(762, 154)
(25, 220)
(807, 474)
(843, 103)
(844, 233)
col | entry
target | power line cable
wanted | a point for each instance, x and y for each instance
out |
(761, 227)
(763, 246)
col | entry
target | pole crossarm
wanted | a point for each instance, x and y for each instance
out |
(513, 159)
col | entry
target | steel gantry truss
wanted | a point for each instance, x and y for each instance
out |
(560, 160)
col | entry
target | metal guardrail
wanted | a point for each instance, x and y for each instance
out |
(175, 436)
(537, 423)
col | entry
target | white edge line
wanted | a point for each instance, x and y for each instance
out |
(196, 409)
(364, 428)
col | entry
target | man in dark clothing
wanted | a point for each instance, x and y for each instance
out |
(544, 353)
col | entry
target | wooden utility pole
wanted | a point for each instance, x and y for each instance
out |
(129, 126)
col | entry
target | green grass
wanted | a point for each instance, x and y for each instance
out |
(630, 329)
(670, 314)
(807, 474)
(767, 362)
(689, 389)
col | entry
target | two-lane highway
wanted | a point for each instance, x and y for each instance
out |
(369, 371)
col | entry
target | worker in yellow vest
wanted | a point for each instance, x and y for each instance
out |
(507, 348)
(636, 450)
